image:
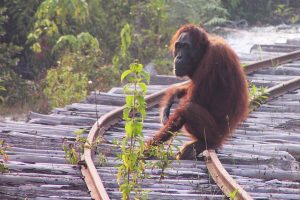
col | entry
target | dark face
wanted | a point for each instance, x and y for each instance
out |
(185, 56)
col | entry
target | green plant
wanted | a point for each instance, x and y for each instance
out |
(74, 150)
(257, 95)
(131, 171)
(3, 147)
(9, 59)
(102, 160)
(123, 55)
(287, 13)
(207, 13)
(79, 57)
(64, 86)
(52, 18)
(2, 88)
(233, 194)
(165, 154)
(282, 10)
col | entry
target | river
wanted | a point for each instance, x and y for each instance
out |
(243, 40)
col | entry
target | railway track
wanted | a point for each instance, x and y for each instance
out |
(260, 161)
(176, 185)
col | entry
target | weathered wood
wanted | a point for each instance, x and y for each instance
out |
(106, 99)
(18, 179)
(59, 119)
(286, 48)
(44, 168)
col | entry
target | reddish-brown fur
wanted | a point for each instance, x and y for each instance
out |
(215, 100)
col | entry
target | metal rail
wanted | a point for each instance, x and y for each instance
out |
(88, 170)
(273, 62)
(222, 178)
(225, 182)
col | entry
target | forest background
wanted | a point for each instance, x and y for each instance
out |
(54, 52)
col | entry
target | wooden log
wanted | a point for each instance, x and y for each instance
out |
(285, 48)
(17, 179)
(106, 99)
(282, 71)
(43, 192)
(267, 174)
(59, 119)
(33, 169)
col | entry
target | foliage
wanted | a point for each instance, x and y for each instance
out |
(165, 154)
(53, 20)
(74, 150)
(8, 61)
(233, 194)
(20, 20)
(131, 171)
(105, 77)
(1, 89)
(54, 17)
(102, 160)
(257, 95)
(287, 13)
(207, 13)
(124, 55)
(84, 42)
(64, 86)
(145, 22)
(3, 148)
(68, 82)
(7, 50)
(263, 11)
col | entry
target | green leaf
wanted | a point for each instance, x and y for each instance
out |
(36, 47)
(137, 128)
(126, 113)
(143, 87)
(132, 67)
(79, 132)
(146, 75)
(139, 67)
(233, 194)
(2, 88)
(129, 101)
(32, 37)
(129, 129)
(143, 113)
(125, 39)
(124, 143)
(1, 99)
(125, 74)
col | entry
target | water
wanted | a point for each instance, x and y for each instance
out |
(243, 40)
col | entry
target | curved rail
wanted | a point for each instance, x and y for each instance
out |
(89, 171)
(273, 62)
(225, 182)
(222, 178)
